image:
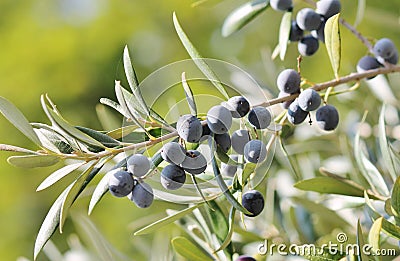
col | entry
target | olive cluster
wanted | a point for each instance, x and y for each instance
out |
(288, 83)
(384, 51)
(182, 161)
(128, 182)
(308, 19)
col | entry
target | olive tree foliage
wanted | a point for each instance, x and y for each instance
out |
(233, 198)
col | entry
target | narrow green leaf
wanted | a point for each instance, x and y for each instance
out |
(294, 171)
(58, 174)
(333, 42)
(58, 121)
(124, 105)
(53, 140)
(196, 185)
(284, 32)
(100, 137)
(387, 227)
(218, 221)
(76, 188)
(224, 157)
(248, 169)
(395, 198)
(188, 250)
(33, 161)
(228, 237)
(360, 12)
(166, 221)
(15, 116)
(242, 16)
(50, 223)
(325, 214)
(328, 185)
(95, 239)
(224, 188)
(369, 171)
(198, 59)
(384, 145)
(107, 119)
(374, 234)
(6, 147)
(361, 256)
(134, 106)
(114, 105)
(189, 95)
(133, 81)
(100, 190)
(123, 131)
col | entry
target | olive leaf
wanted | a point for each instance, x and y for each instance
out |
(284, 33)
(198, 59)
(374, 234)
(59, 174)
(228, 237)
(242, 16)
(50, 223)
(33, 161)
(387, 227)
(333, 42)
(133, 82)
(15, 116)
(224, 188)
(384, 145)
(360, 243)
(122, 101)
(189, 251)
(368, 169)
(330, 185)
(77, 187)
(189, 95)
(165, 221)
(57, 120)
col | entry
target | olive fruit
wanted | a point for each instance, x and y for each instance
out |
(253, 201)
(327, 117)
(308, 45)
(195, 162)
(142, 195)
(189, 128)
(328, 8)
(219, 119)
(288, 81)
(309, 100)
(308, 19)
(172, 177)
(295, 114)
(223, 141)
(259, 117)
(281, 5)
(367, 63)
(255, 151)
(120, 183)
(296, 33)
(239, 106)
(239, 139)
(173, 152)
(384, 48)
(138, 165)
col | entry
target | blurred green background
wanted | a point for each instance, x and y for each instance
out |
(72, 49)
